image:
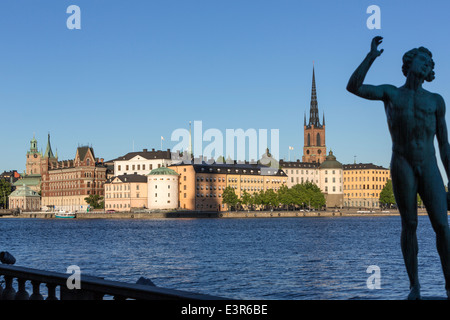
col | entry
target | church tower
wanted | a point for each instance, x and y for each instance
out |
(314, 149)
(33, 164)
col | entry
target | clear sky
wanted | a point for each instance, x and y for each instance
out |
(137, 70)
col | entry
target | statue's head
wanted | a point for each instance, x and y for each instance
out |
(421, 56)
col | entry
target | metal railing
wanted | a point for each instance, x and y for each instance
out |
(90, 288)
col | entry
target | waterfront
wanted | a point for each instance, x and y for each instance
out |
(273, 258)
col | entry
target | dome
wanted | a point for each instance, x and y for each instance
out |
(24, 191)
(163, 171)
(331, 162)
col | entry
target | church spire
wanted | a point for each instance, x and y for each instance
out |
(314, 109)
(48, 152)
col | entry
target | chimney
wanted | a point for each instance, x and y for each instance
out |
(145, 150)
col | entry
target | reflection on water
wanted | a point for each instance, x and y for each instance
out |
(278, 258)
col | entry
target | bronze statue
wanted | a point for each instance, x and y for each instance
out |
(415, 116)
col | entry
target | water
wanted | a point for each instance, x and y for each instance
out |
(276, 258)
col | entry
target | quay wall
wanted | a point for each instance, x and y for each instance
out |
(224, 215)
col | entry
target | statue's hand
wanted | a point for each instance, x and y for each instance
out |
(374, 46)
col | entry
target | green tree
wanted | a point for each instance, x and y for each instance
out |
(311, 195)
(285, 196)
(5, 191)
(95, 201)
(271, 198)
(387, 195)
(297, 194)
(247, 199)
(229, 197)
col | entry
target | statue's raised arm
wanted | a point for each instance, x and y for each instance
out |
(355, 84)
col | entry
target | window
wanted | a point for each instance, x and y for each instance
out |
(119, 168)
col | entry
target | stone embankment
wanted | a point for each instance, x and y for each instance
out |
(224, 214)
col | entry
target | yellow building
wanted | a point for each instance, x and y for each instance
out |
(201, 185)
(363, 184)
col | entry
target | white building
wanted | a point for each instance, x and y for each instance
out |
(162, 189)
(328, 176)
(141, 162)
(331, 181)
(300, 172)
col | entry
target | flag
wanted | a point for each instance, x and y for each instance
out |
(162, 138)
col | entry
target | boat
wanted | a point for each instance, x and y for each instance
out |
(65, 214)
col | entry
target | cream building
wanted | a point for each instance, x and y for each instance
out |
(141, 162)
(162, 189)
(300, 172)
(125, 192)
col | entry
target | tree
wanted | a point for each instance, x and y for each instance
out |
(95, 201)
(387, 195)
(229, 197)
(5, 191)
(285, 196)
(247, 199)
(297, 194)
(313, 196)
(271, 198)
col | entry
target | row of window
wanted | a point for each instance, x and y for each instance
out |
(383, 179)
(363, 195)
(75, 175)
(302, 180)
(117, 206)
(119, 195)
(370, 204)
(363, 187)
(385, 172)
(136, 167)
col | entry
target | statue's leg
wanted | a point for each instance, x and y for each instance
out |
(434, 197)
(405, 188)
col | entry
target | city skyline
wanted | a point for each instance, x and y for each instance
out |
(136, 72)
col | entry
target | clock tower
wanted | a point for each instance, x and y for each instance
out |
(33, 165)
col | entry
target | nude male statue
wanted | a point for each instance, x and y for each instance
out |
(414, 116)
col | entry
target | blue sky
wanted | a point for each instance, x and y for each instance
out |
(138, 70)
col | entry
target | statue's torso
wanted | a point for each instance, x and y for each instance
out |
(411, 119)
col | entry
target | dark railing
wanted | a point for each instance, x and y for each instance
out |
(90, 288)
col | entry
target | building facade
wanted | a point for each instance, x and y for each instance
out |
(66, 184)
(126, 192)
(163, 189)
(331, 181)
(300, 172)
(201, 185)
(328, 176)
(141, 162)
(25, 199)
(363, 184)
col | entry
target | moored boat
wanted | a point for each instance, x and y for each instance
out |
(65, 214)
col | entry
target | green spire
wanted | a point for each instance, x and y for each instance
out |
(48, 152)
